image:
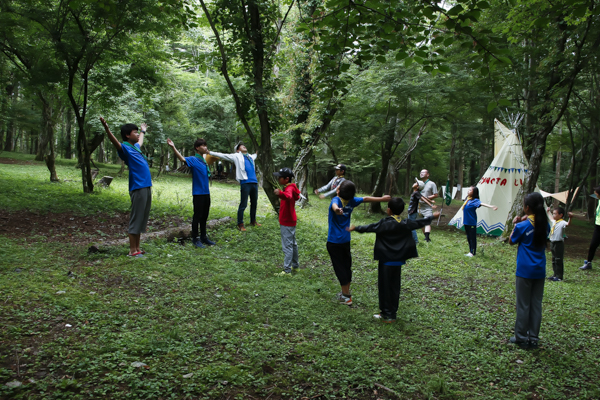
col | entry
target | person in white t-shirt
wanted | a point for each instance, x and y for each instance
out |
(557, 242)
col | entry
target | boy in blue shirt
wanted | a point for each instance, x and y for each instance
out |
(140, 181)
(338, 238)
(245, 174)
(200, 190)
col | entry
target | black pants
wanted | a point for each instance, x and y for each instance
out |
(201, 210)
(471, 231)
(595, 243)
(558, 252)
(341, 258)
(388, 280)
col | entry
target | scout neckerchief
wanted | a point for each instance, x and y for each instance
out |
(136, 149)
(344, 202)
(531, 219)
(199, 157)
(248, 158)
(554, 225)
(468, 200)
(397, 218)
(337, 181)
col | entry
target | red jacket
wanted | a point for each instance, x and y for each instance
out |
(287, 210)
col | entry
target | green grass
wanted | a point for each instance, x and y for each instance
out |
(224, 316)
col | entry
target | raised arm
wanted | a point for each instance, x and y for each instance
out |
(570, 214)
(489, 206)
(111, 137)
(142, 133)
(177, 153)
(387, 197)
(326, 187)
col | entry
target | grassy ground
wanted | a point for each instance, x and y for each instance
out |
(221, 323)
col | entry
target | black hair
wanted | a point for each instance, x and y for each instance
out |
(597, 189)
(536, 204)
(127, 129)
(475, 194)
(396, 205)
(560, 211)
(347, 190)
(199, 142)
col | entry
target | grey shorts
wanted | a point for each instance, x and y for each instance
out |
(141, 201)
(426, 212)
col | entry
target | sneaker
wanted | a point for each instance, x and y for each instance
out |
(198, 243)
(523, 345)
(205, 240)
(586, 265)
(346, 300)
(554, 279)
(241, 227)
(469, 254)
(384, 319)
(255, 224)
(534, 344)
(428, 240)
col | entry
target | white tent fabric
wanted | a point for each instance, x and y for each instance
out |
(500, 183)
(560, 196)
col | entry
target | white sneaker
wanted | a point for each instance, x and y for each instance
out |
(469, 255)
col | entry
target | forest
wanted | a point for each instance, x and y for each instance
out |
(387, 88)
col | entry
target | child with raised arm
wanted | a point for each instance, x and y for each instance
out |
(200, 190)
(338, 238)
(394, 245)
(287, 218)
(140, 181)
(557, 243)
(470, 218)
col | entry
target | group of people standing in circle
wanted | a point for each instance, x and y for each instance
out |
(396, 239)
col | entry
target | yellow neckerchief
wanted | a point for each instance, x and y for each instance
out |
(397, 218)
(344, 202)
(531, 219)
(555, 222)
(466, 201)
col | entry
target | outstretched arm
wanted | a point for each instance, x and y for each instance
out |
(142, 133)
(489, 206)
(178, 154)
(111, 137)
(387, 197)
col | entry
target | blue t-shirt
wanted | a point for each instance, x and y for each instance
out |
(199, 175)
(250, 171)
(139, 171)
(470, 212)
(339, 223)
(531, 260)
(394, 263)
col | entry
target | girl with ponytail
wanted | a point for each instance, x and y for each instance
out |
(530, 234)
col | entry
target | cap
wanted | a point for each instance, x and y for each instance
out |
(420, 183)
(284, 173)
(341, 166)
(237, 145)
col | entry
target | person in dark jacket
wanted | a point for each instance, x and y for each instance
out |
(394, 245)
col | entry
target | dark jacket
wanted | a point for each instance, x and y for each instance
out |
(394, 240)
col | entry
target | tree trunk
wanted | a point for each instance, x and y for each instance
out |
(452, 157)
(557, 178)
(461, 174)
(47, 138)
(68, 133)
(12, 93)
(408, 182)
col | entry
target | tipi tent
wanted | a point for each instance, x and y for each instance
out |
(500, 183)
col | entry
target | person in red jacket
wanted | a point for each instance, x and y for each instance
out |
(287, 218)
